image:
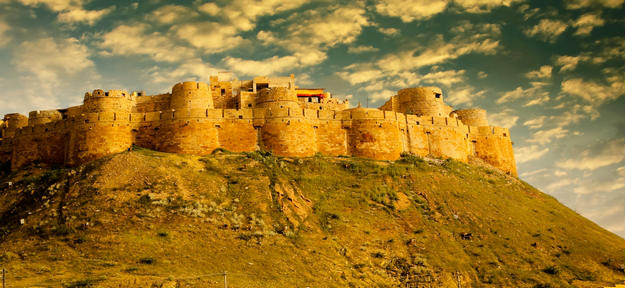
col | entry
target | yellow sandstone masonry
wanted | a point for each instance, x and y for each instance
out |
(246, 115)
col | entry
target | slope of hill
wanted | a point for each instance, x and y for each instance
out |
(150, 219)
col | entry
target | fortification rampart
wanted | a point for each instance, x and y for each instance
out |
(187, 121)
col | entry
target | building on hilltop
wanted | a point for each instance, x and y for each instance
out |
(247, 115)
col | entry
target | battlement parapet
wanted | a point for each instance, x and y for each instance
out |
(265, 113)
(12, 122)
(489, 131)
(114, 93)
(49, 127)
(41, 117)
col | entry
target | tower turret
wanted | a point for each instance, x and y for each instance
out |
(472, 117)
(111, 101)
(191, 95)
(286, 131)
(42, 117)
(423, 101)
(12, 122)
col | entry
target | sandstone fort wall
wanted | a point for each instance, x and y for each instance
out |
(187, 121)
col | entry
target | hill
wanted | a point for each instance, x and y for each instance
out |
(149, 219)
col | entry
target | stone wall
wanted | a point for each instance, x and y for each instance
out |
(276, 121)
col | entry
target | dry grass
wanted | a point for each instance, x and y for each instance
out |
(142, 217)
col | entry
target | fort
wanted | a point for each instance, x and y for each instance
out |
(264, 113)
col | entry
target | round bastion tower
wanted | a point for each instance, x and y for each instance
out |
(42, 117)
(422, 101)
(373, 135)
(113, 101)
(186, 128)
(103, 127)
(286, 131)
(12, 122)
(191, 95)
(473, 117)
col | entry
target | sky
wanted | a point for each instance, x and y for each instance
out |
(551, 71)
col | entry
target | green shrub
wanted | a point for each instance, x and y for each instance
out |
(147, 260)
(551, 270)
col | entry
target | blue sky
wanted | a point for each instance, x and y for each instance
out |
(554, 72)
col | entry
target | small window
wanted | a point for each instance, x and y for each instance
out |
(223, 92)
(106, 94)
(309, 99)
(438, 95)
(249, 105)
(240, 116)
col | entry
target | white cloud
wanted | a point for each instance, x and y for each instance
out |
(360, 74)
(445, 78)
(435, 53)
(540, 172)
(577, 4)
(307, 36)
(380, 96)
(529, 153)
(469, 38)
(535, 123)
(49, 71)
(54, 5)
(593, 92)
(505, 118)
(568, 63)
(243, 14)
(212, 37)
(602, 186)
(70, 11)
(482, 75)
(562, 182)
(482, 6)
(535, 94)
(169, 14)
(560, 173)
(601, 51)
(544, 72)
(390, 31)
(267, 67)
(587, 22)
(318, 30)
(209, 8)
(303, 79)
(607, 154)
(136, 40)
(547, 30)
(543, 137)
(48, 58)
(83, 16)
(361, 49)
(410, 10)
(398, 69)
(4, 27)
(192, 69)
(465, 96)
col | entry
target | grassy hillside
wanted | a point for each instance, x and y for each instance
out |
(150, 219)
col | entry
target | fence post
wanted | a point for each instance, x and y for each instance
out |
(3, 278)
(225, 279)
